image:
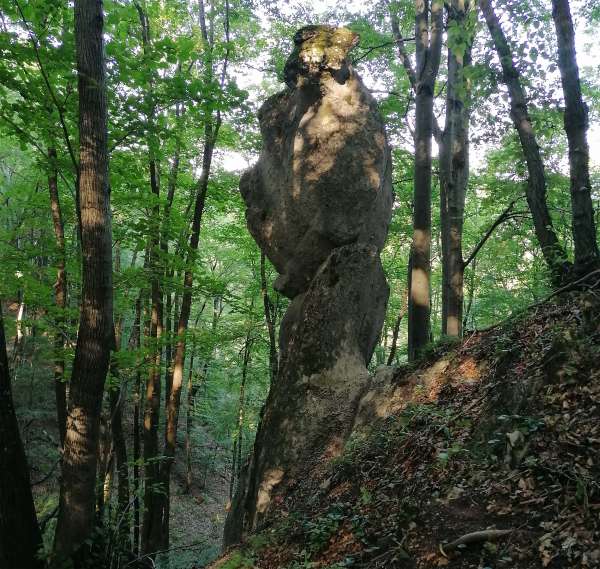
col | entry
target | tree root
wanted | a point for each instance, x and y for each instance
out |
(475, 537)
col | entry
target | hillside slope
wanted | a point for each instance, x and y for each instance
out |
(489, 458)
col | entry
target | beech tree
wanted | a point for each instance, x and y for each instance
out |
(576, 127)
(428, 38)
(96, 335)
(454, 165)
(553, 252)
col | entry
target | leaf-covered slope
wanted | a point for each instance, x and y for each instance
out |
(500, 433)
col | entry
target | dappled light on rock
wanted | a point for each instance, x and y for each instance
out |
(319, 203)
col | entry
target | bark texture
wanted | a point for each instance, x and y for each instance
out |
(552, 250)
(576, 127)
(454, 177)
(20, 537)
(96, 338)
(60, 298)
(428, 37)
(319, 204)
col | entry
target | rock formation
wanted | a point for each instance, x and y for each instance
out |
(318, 202)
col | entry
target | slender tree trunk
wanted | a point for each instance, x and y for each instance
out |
(161, 516)
(168, 343)
(428, 33)
(60, 298)
(20, 536)
(171, 310)
(152, 500)
(454, 177)
(135, 342)
(471, 294)
(160, 521)
(242, 403)
(576, 126)
(151, 423)
(105, 461)
(116, 403)
(96, 335)
(236, 462)
(191, 396)
(20, 334)
(396, 330)
(270, 317)
(552, 250)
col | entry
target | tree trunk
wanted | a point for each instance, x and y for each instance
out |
(160, 537)
(20, 536)
(96, 336)
(552, 250)
(576, 126)
(471, 295)
(428, 33)
(105, 463)
(454, 177)
(161, 515)
(396, 330)
(135, 342)
(60, 298)
(191, 396)
(171, 310)
(153, 386)
(236, 462)
(117, 402)
(270, 318)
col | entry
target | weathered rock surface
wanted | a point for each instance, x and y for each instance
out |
(323, 178)
(319, 204)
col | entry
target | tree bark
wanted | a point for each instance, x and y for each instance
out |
(454, 177)
(191, 396)
(173, 404)
(20, 536)
(428, 33)
(396, 330)
(153, 385)
(60, 298)
(576, 126)
(270, 318)
(116, 404)
(135, 342)
(96, 335)
(552, 250)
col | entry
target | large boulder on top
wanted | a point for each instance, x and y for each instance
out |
(323, 178)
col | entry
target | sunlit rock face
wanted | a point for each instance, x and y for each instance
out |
(318, 204)
(323, 178)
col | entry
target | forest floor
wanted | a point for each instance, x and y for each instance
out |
(490, 460)
(197, 516)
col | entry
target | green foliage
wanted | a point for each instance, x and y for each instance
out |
(164, 96)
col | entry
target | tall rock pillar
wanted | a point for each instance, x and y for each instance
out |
(319, 202)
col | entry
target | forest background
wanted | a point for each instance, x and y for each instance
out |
(184, 82)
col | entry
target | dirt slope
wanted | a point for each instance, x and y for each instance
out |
(495, 443)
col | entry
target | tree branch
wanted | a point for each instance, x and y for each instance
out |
(32, 40)
(373, 48)
(499, 221)
(399, 40)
